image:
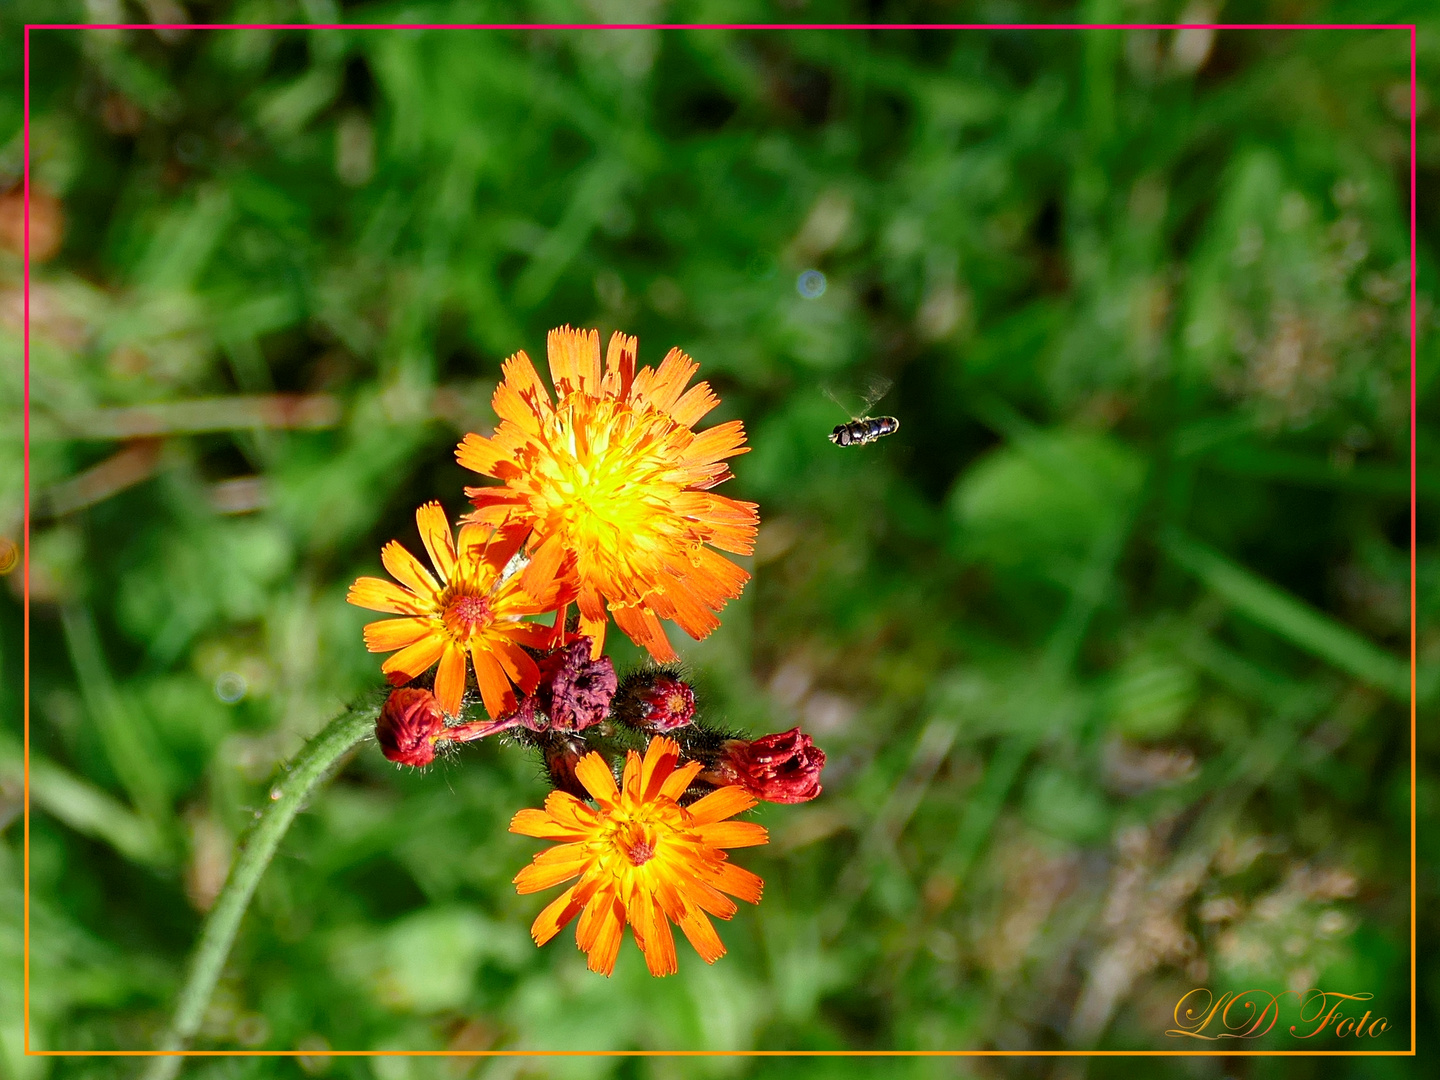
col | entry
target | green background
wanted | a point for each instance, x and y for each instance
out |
(1107, 646)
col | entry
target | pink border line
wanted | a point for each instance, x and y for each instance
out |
(1414, 659)
(719, 26)
(25, 539)
(732, 26)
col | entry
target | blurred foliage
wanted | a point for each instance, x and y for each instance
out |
(1108, 645)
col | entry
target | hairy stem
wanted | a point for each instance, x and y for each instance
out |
(287, 796)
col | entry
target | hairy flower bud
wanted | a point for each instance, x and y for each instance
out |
(654, 701)
(781, 768)
(562, 753)
(409, 724)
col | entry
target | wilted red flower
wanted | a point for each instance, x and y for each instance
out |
(655, 701)
(409, 724)
(780, 768)
(573, 690)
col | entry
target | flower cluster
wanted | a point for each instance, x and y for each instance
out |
(603, 501)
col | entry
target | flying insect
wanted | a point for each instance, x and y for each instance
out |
(863, 430)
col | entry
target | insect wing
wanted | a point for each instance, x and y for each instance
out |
(876, 387)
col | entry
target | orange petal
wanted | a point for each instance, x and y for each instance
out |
(542, 825)
(733, 834)
(568, 810)
(480, 454)
(536, 635)
(592, 771)
(574, 360)
(642, 627)
(588, 928)
(387, 635)
(701, 934)
(620, 364)
(493, 546)
(538, 578)
(520, 375)
(657, 943)
(661, 757)
(519, 668)
(734, 880)
(595, 631)
(494, 686)
(694, 404)
(406, 569)
(630, 776)
(590, 602)
(693, 617)
(606, 940)
(714, 444)
(676, 783)
(726, 523)
(553, 869)
(413, 659)
(720, 804)
(493, 505)
(710, 899)
(556, 914)
(439, 541)
(663, 388)
(517, 406)
(712, 575)
(377, 594)
(473, 568)
(450, 679)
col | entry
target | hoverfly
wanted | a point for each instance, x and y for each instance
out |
(863, 430)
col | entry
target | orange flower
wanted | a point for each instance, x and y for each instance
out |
(642, 858)
(612, 487)
(469, 610)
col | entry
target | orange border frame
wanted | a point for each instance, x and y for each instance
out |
(1411, 1051)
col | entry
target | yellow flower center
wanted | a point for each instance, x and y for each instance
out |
(464, 614)
(606, 487)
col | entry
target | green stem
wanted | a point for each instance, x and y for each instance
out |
(287, 796)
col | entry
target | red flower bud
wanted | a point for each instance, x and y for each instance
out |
(562, 754)
(654, 701)
(409, 724)
(781, 768)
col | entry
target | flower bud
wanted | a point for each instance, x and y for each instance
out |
(562, 754)
(574, 691)
(655, 701)
(781, 768)
(409, 724)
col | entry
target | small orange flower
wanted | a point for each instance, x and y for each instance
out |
(611, 484)
(642, 858)
(469, 610)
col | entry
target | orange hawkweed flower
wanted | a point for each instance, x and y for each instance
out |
(612, 485)
(642, 858)
(470, 611)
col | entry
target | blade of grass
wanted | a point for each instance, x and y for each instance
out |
(130, 744)
(237, 412)
(1289, 617)
(89, 810)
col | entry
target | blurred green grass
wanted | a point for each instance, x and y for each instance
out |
(1108, 645)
